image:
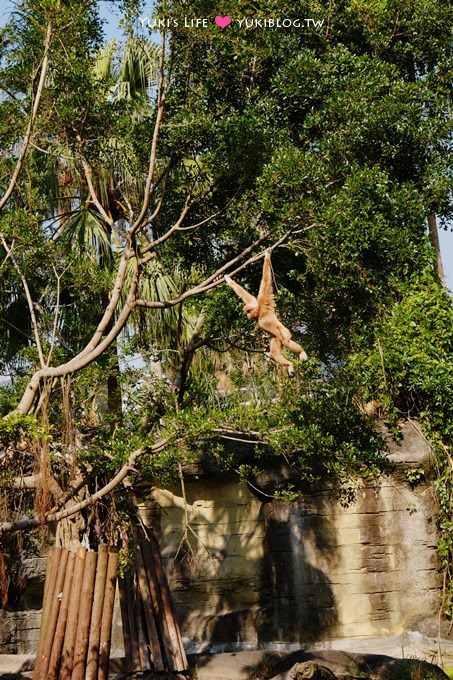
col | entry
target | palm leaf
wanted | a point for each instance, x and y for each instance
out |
(87, 234)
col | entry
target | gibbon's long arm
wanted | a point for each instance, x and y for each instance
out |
(248, 298)
(266, 293)
(262, 309)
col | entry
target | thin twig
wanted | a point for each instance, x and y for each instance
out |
(55, 319)
(31, 307)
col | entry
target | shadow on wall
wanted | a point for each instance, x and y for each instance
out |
(297, 601)
(258, 573)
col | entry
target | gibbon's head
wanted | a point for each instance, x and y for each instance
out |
(251, 310)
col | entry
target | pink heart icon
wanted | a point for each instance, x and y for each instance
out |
(223, 22)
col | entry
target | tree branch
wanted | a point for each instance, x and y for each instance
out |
(55, 319)
(87, 356)
(33, 522)
(155, 138)
(34, 111)
(31, 307)
(216, 278)
(89, 178)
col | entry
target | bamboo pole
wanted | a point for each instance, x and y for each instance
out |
(55, 656)
(107, 616)
(159, 612)
(143, 646)
(125, 623)
(73, 611)
(49, 585)
(148, 611)
(96, 616)
(53, 609)
(178, 654)
(84, 619)
(131, 613)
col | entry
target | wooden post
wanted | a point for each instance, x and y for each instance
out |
(107, 615)
(148, 610)
(73, 611)
(96, 616)
(55, 656)
(49, 586)
(84, 619)
(53, 609)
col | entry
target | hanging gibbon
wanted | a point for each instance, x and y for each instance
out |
(262, 310)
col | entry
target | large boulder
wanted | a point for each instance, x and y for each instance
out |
(307, 670)
(337, 665)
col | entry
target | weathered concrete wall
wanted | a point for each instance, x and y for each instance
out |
(248, 573)
(19, 625)
(253, 574)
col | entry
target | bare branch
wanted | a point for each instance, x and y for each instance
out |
(31, 122)
(20, 483)
(175, 227)
(84, 358)
(216, 278)
(128, 467)
(114, 298)
(89, 178)
(153, 153)
(213, 280)
(164, 179)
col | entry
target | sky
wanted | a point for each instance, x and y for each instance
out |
(110, 19)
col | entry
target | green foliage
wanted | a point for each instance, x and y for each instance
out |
(16, 428)
(411, 367)
(339, 135)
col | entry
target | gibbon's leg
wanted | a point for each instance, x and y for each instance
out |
(248, 298)
(297, 349)
(275, 353)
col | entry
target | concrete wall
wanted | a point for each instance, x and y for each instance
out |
(248, 573)
(251, 574)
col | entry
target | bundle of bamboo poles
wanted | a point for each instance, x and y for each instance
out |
(76, 621)
(152, 640)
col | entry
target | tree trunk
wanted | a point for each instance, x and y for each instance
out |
(434, 238)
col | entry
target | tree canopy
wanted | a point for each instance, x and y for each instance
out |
(134, 176)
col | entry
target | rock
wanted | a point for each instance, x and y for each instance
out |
(337, 665)
(412, 669)
(311, 671)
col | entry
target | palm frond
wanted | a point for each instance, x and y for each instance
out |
(138, 70)
(104, 67)
(166, 328)
(86, 233)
